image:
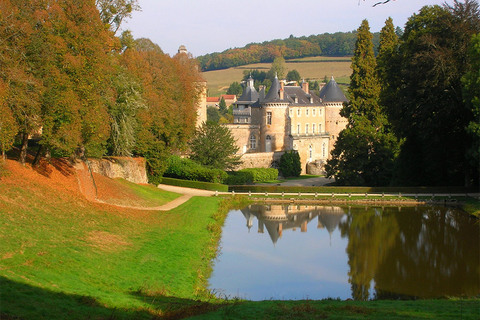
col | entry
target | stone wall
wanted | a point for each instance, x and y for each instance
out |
(131, 169)
(259, 160)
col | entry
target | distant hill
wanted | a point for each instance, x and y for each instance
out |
(337, 44)
(311, 68)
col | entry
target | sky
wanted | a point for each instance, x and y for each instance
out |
(207, 26)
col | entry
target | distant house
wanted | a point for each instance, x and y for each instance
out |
(213, 101)
(229, 98)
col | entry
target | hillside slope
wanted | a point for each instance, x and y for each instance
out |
(66, 257)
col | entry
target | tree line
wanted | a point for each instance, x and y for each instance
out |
(337, 44)
(65, 73)
(414, 109)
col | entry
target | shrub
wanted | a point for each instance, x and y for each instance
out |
(262, 174)
(239, 178)
(187, 169)
(290, 165)
(195, 184)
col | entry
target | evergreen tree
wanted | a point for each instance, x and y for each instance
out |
(235, 88)
(214, 146)
(293, 75)
(364, 89)
(365, 150)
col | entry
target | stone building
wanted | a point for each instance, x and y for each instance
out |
(288, 118)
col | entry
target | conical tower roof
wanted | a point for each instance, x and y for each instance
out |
(249, 95)
(332, 92)
(273, 94)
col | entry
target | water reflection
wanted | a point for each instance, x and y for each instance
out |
(384, 253)
(277, 218)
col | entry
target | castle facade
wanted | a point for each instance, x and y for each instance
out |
(287, 118)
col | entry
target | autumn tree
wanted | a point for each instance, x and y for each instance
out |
(8, 127)
(114, 12)
(278, 69)
(24, 89)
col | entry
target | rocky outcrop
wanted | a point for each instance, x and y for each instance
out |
(131, 169)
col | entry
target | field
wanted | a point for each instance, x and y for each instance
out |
(65, 257)
(313, 68)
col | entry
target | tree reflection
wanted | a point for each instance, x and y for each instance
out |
(424, 252)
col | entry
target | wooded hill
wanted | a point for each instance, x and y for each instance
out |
(337, 44)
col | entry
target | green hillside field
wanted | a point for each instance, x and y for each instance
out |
(312, 68)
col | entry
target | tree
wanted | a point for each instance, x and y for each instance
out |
(365, 150)
(293, 75)
(471, 94)
(113, 12)
(235, 88)
(222, 106)
(8, 127)
(278, 69)
(213, 115)
(290, 164)
(364, 89)
(428, 109)
(214, 146)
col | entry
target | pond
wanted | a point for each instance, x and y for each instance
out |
(317, 252)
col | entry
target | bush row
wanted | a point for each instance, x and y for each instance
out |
(195, 184)
(291, 189)
(250, 175)
(186, 169)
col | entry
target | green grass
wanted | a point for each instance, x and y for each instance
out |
(332, 309)
(64, 258)
(313, 68)
(150, 194)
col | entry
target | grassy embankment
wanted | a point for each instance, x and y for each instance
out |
(63, 257)
(313, 68)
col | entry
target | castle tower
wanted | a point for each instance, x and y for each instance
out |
(275, 126)
(333, 98)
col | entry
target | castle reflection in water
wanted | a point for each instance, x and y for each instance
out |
(278, 218)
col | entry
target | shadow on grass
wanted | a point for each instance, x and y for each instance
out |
(23, 301)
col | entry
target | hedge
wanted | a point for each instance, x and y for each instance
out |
(186, 169)
(195, 184)
(239, 178)
(346, 189)
(262, 174)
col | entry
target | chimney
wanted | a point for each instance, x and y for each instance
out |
(305, 86)
(282, 85)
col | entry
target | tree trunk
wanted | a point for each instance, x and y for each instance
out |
(38, 156)
(23, 150)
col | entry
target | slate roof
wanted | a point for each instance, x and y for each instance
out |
(249, 95)
(332, 92)
(303, 98)
(273, 94)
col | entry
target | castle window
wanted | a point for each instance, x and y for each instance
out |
(253, 142)
(313, 127)
(306, 112)
(306, 128)
(269, 118)
(319, 112)
(298, 112)
(319, 127)
(313, 112)
(298, 128)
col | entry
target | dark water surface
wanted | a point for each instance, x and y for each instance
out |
(317, 252)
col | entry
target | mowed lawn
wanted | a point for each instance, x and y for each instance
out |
(313, 68)
(63, 257)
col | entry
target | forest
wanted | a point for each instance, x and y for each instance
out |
(337, 44)
(67, 74)
(414, 109)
